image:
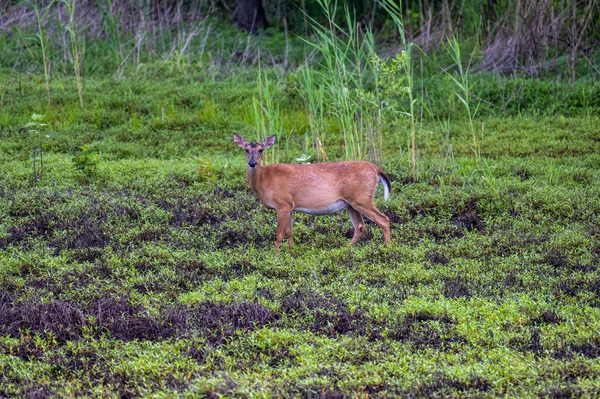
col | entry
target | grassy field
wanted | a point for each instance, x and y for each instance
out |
(135, 261)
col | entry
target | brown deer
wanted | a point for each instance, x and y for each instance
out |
(318, 189)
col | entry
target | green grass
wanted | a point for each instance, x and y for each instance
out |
(156, 276)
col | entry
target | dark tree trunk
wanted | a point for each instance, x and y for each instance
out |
(251, 15)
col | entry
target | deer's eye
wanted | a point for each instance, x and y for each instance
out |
(260, 151)
(247, 151)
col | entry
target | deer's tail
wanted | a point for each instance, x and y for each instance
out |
(385, 180)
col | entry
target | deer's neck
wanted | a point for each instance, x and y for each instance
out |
(253, 177)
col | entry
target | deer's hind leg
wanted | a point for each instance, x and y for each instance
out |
(368, 209)
(358, 223)
(290, 233)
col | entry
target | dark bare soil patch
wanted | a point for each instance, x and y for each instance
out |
(394, 216)
(532, 344)
(26, 350)
(187, 276)
(239, 269)
(425, 329)
(467, 218)
(522, 174)
(547, 317)
(456, 288)
(570, 287)
(149, 235)
(441, 385)
(218, 321)
(555, 258)
(39, 391)
(443, 234)
(126, 322)
(40, 226)
(589, 349)
(63, 319)
(188, 211)
(329, 316)
(562, 392)
(436, 257)
(80, 255)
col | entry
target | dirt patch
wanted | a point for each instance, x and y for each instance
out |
(39, 391)
(456, 288)
(82, 234)
(239, 269)
(563, 392)
(222, 193)
(329, 316)
(394, 216)
(149, 235)
(63, 319)
(555, 258)
(80, 255)
(217, 321)
(124, 321)
(522, 174)
(188, 211)
(425, 329)
(532, 344)
(589, 349)
(436, 257)
(441, 385)
(547, 317)
(75, 359)
(468, 218)
(444, 234)
(569, 287)
(40, 226)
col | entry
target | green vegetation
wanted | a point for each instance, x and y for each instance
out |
(135, 261)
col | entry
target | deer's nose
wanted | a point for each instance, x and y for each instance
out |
(252, 164)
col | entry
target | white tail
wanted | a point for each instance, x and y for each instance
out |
(319, 189)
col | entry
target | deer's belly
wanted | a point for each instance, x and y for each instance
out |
(325, 210)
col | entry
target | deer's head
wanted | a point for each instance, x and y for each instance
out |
(254, 150)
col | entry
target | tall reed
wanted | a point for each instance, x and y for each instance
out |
(266, 114)
(314, 99)
(111, 27)
(43, 39)
(406, 69)
(463, 93)
(332, 89)
(72, 29)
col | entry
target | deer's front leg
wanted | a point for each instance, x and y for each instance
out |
(283, 221)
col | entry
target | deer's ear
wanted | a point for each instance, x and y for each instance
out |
(269, 141)
(239, 140)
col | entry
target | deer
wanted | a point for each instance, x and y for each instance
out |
(317, 189)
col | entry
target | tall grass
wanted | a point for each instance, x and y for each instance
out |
(407, 71)
(331, 91)
(266, 115)
(463, 93)
(314, 100)
(75, 45)
(112, 28)
(42, 36)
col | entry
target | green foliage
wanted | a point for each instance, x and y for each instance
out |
(36, 127)
(86, 161)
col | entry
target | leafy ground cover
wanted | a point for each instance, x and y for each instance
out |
(152, 271)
